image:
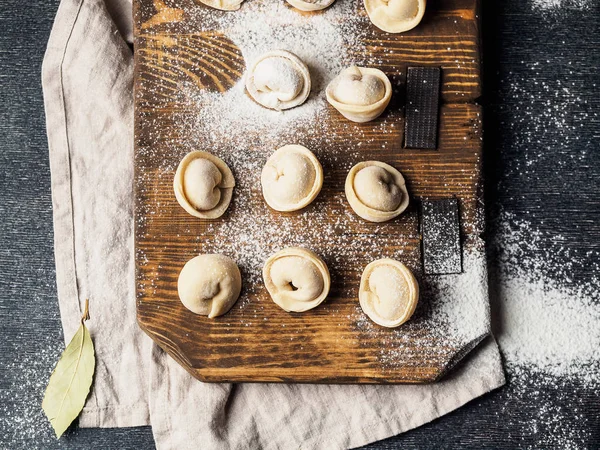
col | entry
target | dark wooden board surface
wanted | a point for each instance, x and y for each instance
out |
(255, 340)
(507, 418)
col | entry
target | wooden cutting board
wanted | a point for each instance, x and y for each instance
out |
(256, 340)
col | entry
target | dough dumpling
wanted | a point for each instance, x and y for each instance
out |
(203, 185)
(291, 179)
(360, 94)
(209, 284)
(395, 16)
(297, 279)
(310, 5)
(224, 5)
(388, 292)
(376, 191)
(278, 80)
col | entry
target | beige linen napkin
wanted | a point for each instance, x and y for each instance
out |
(87, 81)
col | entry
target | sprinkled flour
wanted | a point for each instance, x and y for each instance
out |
(255, 32)
(557, 4)
(544, 266)
(541, 324)
(549, 334)
(22, 421)
(546, 321)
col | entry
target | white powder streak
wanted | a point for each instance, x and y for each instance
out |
(549, 329)
(558, 4)
(321, 41)
(542, 323)
(457, 299)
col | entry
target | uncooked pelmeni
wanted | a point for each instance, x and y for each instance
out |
(388, 292)
(209, 284)
(360, 94)
(376, 191)
(297, 279)
(278, 80)
(203, 185)
(395, 16)
(224, 5)
(310, 5)
(292, 178)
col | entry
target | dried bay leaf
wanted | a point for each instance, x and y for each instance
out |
(70, 382)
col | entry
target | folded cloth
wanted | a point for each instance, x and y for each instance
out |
(88, 90)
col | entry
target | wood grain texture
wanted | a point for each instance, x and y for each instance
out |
(243, 345)
(448, 37)
(257, 341)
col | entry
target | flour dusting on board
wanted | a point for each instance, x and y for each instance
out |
(457, 305)
(321, 41)
(453, 312)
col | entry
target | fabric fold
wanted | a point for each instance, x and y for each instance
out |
(185, 412)
(87, 77)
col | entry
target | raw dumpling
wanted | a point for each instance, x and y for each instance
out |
(297, 279)
(225, 5)
(292, 178)
(310, 5)
(395, 16)
(278, 80)
(388, 292)
(376, 191)
(361, 94)
(203, 185)
(209, 284)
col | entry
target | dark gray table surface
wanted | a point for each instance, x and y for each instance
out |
(530, 57)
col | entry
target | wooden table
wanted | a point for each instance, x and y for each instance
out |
(515, 40)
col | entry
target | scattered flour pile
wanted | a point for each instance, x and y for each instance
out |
(321, 41)
(540, 323)
(558, 4)
(548, 329)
